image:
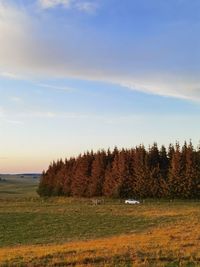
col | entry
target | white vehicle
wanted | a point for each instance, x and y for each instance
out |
(132, 201)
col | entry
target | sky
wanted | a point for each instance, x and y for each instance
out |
(77, 75)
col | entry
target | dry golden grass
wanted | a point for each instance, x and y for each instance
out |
(176, 244)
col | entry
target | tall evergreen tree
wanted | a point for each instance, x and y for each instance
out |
(176, 174)
(82, 174)
(141, 172)
(99, 165)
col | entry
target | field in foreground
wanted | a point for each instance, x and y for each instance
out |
(73, 232)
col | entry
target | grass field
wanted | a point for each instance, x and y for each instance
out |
(19, 185)
(73, 232)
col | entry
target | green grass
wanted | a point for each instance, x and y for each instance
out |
(12, 186)
(27, 219)
(37, 221)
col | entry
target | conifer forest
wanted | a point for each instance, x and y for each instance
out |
(172, 172)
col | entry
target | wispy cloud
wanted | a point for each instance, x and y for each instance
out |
(49, 115)
(81, 5)
(53, 3)
(88, 7)
(9, 118)
(11, 76)
(17, 117)
(20, 118)
(154, 69)
(54, 87)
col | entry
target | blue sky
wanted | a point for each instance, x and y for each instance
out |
(77, 75)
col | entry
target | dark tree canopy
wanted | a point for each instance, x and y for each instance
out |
(135, 172)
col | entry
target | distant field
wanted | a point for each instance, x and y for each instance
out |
(73, 232)
(19, 185)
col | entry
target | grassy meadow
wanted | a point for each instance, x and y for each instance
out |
(18, 185)
(74, 232)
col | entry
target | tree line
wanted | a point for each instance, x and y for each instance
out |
(127, 173)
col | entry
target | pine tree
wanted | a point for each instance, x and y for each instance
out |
(157, 180)
(164, 162)
(98, 174)
(110, 187)
(190, 171)
(82, 174)
(141, 172)
(176, 174)
(196, 180)
(67, 176)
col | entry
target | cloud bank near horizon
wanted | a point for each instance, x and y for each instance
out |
(40, 44)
